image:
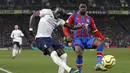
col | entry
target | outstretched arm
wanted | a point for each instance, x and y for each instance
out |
(32, 20)
(69, 22)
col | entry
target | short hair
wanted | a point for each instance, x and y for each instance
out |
(83, 2)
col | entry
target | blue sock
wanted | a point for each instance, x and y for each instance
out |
(79, 62)
(99, 54)
(80, 70)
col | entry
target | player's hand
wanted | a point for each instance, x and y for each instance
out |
(30, 29)
(31, 32)
(99, 39)
(82, 25)
(69, 38)
(79, 25)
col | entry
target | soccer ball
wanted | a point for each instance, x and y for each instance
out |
(108, 61)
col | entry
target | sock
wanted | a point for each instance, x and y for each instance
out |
(59, 62)
(16, 51)
(13, 52)
(19, 51)
(63, 57)
(99, 54)
(79, 62)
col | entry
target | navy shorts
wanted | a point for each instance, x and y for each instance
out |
(44, 43)
(16, 43)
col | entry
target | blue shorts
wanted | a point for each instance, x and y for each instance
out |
(45, 42)
(84, 42)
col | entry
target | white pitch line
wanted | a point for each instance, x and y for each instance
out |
(4, 70)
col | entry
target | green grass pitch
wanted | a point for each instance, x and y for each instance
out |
(32, 61)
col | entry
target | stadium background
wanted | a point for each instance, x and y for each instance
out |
(112, 17)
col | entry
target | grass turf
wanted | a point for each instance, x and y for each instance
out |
(32, 61)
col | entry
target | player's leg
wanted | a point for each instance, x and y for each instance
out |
(60, 62)
(19, 48)
(61, 53)
(19, 51)
(14, 50)
(45, 46)
(100, 49)
(78, 47)
(79, 58)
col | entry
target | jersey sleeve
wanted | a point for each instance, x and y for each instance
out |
(22, 33)
(93, 26)
(70, 20)
(95, 30)
(44, 12)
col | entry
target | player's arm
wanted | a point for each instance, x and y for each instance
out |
(95, 30)
(22, 35)
(70, 23)
(73, 27)
(32, 20)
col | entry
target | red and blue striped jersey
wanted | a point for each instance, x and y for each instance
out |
(85, 20)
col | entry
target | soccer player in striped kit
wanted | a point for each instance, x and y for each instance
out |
(82, 39)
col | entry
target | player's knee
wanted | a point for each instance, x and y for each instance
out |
(79, 53)
(15, 46)
(78, 50)
(53, 55)
(64, 56)
(97, 43)
(60, 52)
(49, 50)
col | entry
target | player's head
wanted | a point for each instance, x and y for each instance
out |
(16, 27)
(82, 8)
(58, 12)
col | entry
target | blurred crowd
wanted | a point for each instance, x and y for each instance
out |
(114, 27)
(69, 4)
